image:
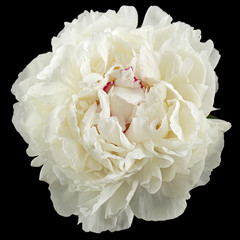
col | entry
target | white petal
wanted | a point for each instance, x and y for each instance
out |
(64, 201)
(89, 115)
(151, 177)
(46, 174)
(53, 93)
(162, 131)
(137, 154)
(148, 65)
(121, 198)
(183, 183)
(213, 158)
(156, 206)
(139, 130)
(211, 83)
(104, 104)
(75, 153)
(54, 121)
(130, 95)
(28, 76)
(164, 161)
(98, 223)
(174, 118)
(104, 195)
(120, 108)
(128, 16)
(72, 118)
(91, 80)
(124, 220)
(155, 16)
(83, 60)
(38, 161)
(111, 130)
(214, 57)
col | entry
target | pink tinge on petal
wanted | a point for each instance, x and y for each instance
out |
(139, 81)
(134, 78)
(127, 68)
(108, 86)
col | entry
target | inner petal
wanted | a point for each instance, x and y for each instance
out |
(111, 131)
(130, 95)
(121, 109)
(125, 93)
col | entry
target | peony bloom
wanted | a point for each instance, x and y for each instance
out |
(117, 117)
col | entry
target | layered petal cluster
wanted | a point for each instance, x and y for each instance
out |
(117, 117)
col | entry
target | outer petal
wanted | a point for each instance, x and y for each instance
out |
(97, 222)
(211, 82)
(156, 206)
(120, 199)
(218, 127)
(124, 220)
(64, 201)
(155, 16)
(27, 77)
(128, 16)
(180, 186)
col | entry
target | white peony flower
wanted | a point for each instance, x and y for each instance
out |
(117, 117)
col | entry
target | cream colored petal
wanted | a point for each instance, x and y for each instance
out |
(46, 174)
(139, 130)
(151, 177)
(214, 150)
(104, 104)
(124, 220)
(155, 16)
(147, 65)
(162, 207)
(64, 201)
(28, 76)
(98, 223)
(211, 83)
(105, 195)
(174, 118)
(120, 108)
(164, 160)
(136, 154)
(54, 121)
(121, 198)
(130, 95)
(183, 183)
(130, 14)
(75, 153)
(111, 131)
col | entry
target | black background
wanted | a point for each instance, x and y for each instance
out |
(26, 31)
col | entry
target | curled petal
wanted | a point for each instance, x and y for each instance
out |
(155, 16)
(213, 157)
(98, 223)
(111, 130)
(174, 118)
(28, 76)
(104, 104)
(120, 200)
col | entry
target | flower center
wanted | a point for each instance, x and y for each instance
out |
(125, 93)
